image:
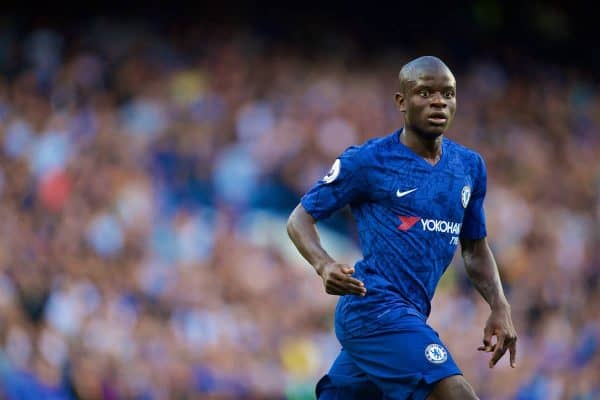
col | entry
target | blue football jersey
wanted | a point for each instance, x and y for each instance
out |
(410, 216)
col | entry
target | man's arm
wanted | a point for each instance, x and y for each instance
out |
(483, 273)
(337, 278)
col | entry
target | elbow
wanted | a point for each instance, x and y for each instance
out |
(299, 221)
(469, 261)
(471, 250)
(467, 257)
(290, 226)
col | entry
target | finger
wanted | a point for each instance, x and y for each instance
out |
(347, 284)
(349, 288)
(346, 279)
(333, 292)
(355, 289)
(499, 352)
(353, 281)
(512, 348)
(336, 292)
(497, 356)
(343, 288)
(487, 339)
(338, 275)
(332, 287)
(487, 349)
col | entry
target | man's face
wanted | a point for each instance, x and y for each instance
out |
(428, 102)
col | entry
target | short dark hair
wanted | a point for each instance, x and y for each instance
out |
(411, 69)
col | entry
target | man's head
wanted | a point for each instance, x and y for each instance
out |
(427, 96)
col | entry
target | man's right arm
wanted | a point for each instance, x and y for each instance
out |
(337, 278)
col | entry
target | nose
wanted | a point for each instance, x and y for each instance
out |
(437, 100)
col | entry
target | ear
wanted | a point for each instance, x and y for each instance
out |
(399, 98)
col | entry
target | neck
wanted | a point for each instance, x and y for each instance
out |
(428, 148)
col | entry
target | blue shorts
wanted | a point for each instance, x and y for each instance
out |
(400, 363)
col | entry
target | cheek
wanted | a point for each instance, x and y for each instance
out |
(419, 107)
(452, 108)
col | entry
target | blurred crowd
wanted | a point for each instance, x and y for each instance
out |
(145, 181)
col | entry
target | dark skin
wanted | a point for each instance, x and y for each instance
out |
(427, 99)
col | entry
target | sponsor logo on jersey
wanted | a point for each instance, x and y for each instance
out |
(407, 222)
(430, 225)
(441, 226)
(436, 353)
(402, 194)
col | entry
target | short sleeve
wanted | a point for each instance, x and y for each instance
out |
(474, 219)
(344, 183)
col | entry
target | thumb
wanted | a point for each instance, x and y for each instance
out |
(348, 270)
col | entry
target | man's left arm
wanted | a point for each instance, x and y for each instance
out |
(483, 273)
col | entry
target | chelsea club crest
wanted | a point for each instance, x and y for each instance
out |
(436, 354)
(465, 195)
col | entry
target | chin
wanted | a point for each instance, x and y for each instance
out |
(432, 132)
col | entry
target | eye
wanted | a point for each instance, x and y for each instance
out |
(449, 94)
(424, 93)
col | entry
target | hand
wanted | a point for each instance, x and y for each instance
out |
(338, 280)
(500, 324)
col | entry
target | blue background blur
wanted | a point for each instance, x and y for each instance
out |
(148, 166)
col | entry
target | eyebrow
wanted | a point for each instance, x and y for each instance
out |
(427, 86)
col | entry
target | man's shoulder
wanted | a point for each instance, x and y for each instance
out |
(465, 153)
(369, 148)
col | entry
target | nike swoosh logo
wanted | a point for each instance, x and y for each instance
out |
(402, 194)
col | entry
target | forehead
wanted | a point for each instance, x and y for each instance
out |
(438, 77)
